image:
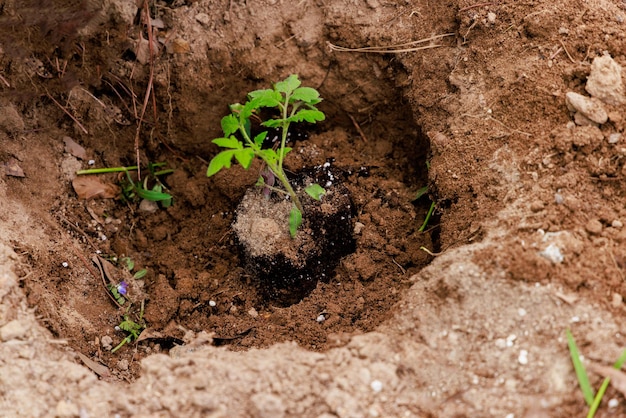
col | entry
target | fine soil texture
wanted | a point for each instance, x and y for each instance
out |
(476, 150)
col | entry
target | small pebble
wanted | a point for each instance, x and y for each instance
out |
(617, 224)
(376, 386)
(613, 403)
(616, 300)
(521, 312)
(523, 357)
(212, 303)
(491, 17)
(594, 227)
(537, 206)
(253, 312)
(123, 365)
(91, 162)
(65, 264)
(203, 18)
(614, 138)
(558, 198)
(552, 253)
(321, 318)
(107, 342)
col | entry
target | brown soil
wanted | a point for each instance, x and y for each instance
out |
(519, 180)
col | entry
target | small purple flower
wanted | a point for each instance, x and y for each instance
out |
(122, 288)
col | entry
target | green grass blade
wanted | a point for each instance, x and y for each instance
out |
(428, 215)
(605, 384)
(579, 368)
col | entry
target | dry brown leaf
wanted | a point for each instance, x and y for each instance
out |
(91, 187)
(99, 369)
(73, 148)
(618, 377)
(12, 168)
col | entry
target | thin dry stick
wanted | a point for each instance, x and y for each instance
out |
(567, 52)
(148, 89)
(5, 81)
(68, 113)
(555, 53)
(358, 128)
(392, 49)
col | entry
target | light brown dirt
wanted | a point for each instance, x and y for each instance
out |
(518, 177)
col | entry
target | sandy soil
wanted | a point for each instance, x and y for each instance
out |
(512, 115)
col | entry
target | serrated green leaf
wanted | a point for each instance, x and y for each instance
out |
(288, 85)
(221, 160)
(245, 157)
(306, 94)
(231, 142)
(295, 220)
(273, 123)
(308, 115)
(265, 98)
(230, 124)
(258, 140)
(315, 191)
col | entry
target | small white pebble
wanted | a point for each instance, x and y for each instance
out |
(65, 264)
(558, 198)
(575, 319)
(500, 343)
(510, 339)
(91, 162)
(617, 224)
(98, 252)
(321, 318)
(614, 138)
(510, 416)
(212, 303)
(491, 17)
(613, 403)
(376, 386)
(521, 312)
(103, 237)
(523, 357)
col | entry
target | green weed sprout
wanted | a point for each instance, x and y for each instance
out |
(132, 189)
(132, 328)
(295, 104)
(592, 400)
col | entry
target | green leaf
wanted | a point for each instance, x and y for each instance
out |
(306, 94)
(579, 368)
(221, 160)
(420, 192)
(154, 196)
(230, 124)
(245, 157)
(315, 191)
(288, 85)
(258, 140)
(308, 115)
(295, 220)
(265, 98)
(231, 142)
(141, 273)
(273, 123)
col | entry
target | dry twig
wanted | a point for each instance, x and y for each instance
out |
(395, 48)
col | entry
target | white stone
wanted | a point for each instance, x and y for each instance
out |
(605, 81)
(588, 107)
(552, 253)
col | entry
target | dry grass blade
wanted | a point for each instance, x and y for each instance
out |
(618, 378)
(395, 48)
